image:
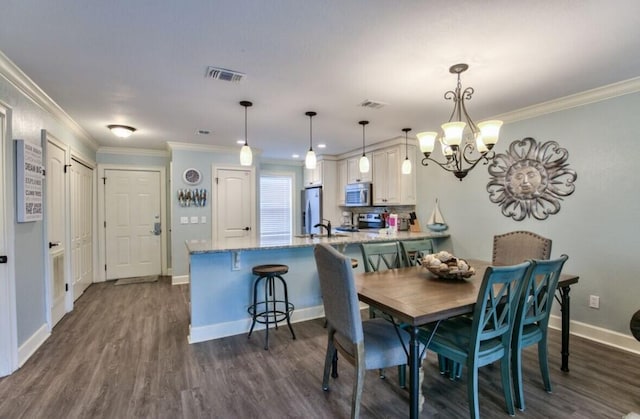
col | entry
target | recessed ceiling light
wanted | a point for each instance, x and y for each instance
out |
(295, 156)
(322, 146)
(240, 142)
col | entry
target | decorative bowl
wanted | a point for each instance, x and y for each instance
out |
(445, 265)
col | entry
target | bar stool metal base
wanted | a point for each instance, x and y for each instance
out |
(271, 310)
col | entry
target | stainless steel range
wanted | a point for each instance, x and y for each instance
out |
(370, 220)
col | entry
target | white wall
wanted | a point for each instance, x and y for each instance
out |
(596, 226)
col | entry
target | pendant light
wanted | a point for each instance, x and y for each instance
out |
(246, 157)
(310, 159)
(406, 164)
(364, 161)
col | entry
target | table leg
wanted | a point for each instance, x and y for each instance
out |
(414, 374)
(565, 311)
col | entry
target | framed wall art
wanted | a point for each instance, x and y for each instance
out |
(28, 181)
(531, 179)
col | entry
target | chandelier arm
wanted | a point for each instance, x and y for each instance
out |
(445, 166)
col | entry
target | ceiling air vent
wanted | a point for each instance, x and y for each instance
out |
(372, 104)
(223, 74)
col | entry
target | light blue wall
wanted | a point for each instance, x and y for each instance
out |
(596, 226)
(26, 120)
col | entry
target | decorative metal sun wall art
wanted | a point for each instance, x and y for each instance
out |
(530, 179)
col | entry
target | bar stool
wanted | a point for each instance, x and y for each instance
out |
(271, 310)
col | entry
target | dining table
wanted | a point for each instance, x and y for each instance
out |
(415, 297)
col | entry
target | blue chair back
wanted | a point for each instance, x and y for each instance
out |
(414, 250)
(381, 256)
(497, 304)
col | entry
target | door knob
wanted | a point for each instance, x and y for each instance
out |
(53, 244)
(247, 228)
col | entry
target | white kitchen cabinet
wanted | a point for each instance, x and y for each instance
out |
(353, 170)
(390, 186)
(342, 181)
(314, 177)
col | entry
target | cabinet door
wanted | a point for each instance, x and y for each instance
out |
(342, 181)
(313, 177)
(408, 182)
(386, 180)
(353, 170)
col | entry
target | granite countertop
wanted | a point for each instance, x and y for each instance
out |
(340, 238)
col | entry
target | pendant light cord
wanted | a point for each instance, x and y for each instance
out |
(245, 126)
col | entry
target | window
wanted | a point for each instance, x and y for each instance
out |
(276, 204)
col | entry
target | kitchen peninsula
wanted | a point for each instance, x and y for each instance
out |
(221, 280)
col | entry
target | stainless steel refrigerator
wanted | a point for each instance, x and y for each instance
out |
(311, 210)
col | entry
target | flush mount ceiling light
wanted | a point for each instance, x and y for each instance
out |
(310, 159)
(121, 131)
(406, 164)
(364, 161)
(246, 157)
(457, 148)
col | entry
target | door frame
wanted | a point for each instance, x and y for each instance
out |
(102, 248)
(8, 316)
(214, 202)
(46, 137)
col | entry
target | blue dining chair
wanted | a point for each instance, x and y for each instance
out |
(533, 320)
(369, 344)
(414, 250)
(485, 338)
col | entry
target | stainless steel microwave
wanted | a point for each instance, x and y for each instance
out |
(358, 195)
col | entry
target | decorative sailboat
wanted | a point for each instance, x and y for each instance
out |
(436, 220)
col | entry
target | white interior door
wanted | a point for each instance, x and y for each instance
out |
(8, 345)
(56, 230)
(132, 209)
(235, 203)
(81, 190)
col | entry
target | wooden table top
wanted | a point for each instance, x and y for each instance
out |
(417, 297)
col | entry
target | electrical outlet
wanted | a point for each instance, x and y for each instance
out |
(594, 301)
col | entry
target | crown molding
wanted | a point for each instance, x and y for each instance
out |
(172, 145)
(579, 99)
(15, 76)
(125, 151)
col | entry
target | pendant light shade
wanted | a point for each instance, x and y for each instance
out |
(406, 164)
(310, 159)
(364, 161)
(246, 156)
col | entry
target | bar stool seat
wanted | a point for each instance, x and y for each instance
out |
(271, 310)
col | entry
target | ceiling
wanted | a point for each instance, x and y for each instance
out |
(143, 63)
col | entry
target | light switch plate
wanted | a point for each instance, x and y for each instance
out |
(194, 219)
(184, 220)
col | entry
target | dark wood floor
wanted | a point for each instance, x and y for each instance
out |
(123, 353)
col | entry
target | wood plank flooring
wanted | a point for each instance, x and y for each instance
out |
(123, 353)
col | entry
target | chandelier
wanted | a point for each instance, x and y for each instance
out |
(461, 149)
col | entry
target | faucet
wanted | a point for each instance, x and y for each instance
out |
(326, 226)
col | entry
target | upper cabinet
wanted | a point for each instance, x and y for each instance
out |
(314, 177)
(353, 170)
(390, 186)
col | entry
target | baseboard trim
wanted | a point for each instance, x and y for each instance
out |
(598, 334)
(179, 279)
(32, 344)
(238, 327)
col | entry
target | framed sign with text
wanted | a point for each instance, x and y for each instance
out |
(28, 181)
